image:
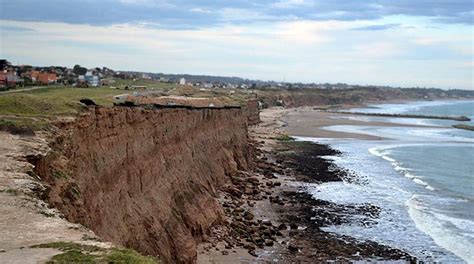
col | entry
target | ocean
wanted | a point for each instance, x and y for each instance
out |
(422, 178)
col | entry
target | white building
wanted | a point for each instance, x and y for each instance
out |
(182, 81)
(92, 80)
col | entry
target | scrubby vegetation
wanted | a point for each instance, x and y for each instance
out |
(78, 253)
(285, 137)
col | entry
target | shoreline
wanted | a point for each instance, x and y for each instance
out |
(269, 215)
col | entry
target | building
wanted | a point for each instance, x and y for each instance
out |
(182, 81)
(164, 79)
(9, 79)
(46, 78)
(3, 80)
(92, 80)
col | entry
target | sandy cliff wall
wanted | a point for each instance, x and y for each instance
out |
(253, 112)
(146, 179)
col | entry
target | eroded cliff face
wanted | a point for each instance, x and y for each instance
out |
(146, 179)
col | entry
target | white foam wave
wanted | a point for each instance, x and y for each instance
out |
(439, 227)
(382, 152)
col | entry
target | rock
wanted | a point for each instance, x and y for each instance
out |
(251, 252)
(253, 180)
(293, 226)
(238, 210)
(249, 247)
(248, 215)
(292, 248)
(257, 240)
(268, 243)
(235, 192)
(225, 252)
(282, 227)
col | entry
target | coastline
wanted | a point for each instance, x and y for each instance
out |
(271, 217)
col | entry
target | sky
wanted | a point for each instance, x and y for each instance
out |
(407, 43)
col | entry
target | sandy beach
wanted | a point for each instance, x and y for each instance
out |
(306, 122)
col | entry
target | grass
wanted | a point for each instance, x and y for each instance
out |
(23, 112)
(150, 84)
(284, 138)
(12, 191)
(34, 110)
(78, 253)
(72, 256)
(53, 101)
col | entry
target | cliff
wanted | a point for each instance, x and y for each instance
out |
(252, 112)
(146, 179)
(313, 97)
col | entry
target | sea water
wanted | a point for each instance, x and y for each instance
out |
(421, 177)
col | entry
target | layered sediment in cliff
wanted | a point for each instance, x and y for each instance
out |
(252, 111)
(146, 179)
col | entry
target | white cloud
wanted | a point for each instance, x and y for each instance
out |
(284, 4)
(308, 51)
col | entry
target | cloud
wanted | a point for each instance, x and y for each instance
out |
(301, 50)
(288, 4)
(377, 27)
(205, 13)
(15, 28)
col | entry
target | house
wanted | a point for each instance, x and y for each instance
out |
(34, 75)
(3, 80)
(91, 79)
(9, 79)
(164, 79)
(46, 78)
(182, 81)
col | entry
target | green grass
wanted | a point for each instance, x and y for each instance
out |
(284, 138)
(12, 191)
(150, 84)
(77, 253)
(34, 110)
(53, 101)
(128, 256)
(73, 256)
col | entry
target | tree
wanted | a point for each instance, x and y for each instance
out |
(79, 70)
(4, 64)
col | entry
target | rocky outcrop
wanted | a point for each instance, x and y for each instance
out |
(146, 179)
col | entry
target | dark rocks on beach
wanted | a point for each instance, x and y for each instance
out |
(292, 248)
(306, 162)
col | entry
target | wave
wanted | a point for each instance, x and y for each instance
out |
(448, 232)
(379, 151)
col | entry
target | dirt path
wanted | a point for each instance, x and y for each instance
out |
(24, 219)
(24, 89)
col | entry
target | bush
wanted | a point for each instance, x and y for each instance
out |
(285, 138)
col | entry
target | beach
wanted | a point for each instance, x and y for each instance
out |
(276, 197)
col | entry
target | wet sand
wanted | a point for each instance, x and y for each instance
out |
(306, 122)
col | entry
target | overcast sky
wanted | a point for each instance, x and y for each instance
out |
(426, 43)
